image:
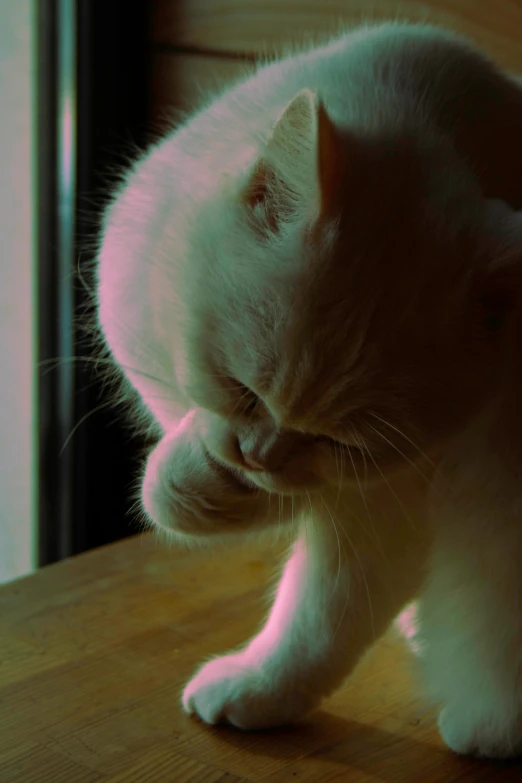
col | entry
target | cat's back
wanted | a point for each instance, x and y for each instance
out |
(373, 80)
(370, 78)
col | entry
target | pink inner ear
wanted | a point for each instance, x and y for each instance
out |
(259, 194)
(285, 171)
(329, 161)
(300, 163)
(256, 192)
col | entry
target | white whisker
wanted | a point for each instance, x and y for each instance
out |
(392, 491)
(403, 435)
(368, 594)
(404, 456)
(338, 563)
(362, 448)
(78, 424)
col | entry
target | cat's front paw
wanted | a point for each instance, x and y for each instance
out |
(234, 690)
(469, 735)
(186, 492)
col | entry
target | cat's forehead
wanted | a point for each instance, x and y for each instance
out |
(271, 296)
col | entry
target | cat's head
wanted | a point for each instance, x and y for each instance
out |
(346, 300)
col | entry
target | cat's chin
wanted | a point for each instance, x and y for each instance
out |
(282, 483)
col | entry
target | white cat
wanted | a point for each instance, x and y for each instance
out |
(313, 286)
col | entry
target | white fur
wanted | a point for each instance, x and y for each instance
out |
(186, 288)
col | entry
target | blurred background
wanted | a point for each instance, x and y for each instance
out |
(84, 86)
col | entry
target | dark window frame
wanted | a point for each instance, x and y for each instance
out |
(92, 85)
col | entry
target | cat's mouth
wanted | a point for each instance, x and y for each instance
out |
(287, 480)
(324, 462)
(299, 477)
(282, 482)
(333, 467)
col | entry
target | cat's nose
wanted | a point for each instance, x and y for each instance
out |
(250, 459)
(268, 453)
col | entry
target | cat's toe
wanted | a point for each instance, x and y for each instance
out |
(469, 735)
(230, 690)
(219, 693)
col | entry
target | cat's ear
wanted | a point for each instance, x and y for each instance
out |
(502, 282)
(299, 166)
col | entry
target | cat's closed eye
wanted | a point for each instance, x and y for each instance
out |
(341, 446)
(247, 401)
(231, 399)
(224, 396)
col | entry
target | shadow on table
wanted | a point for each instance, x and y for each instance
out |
(324, 742)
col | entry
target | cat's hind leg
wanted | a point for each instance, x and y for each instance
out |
(470, 618)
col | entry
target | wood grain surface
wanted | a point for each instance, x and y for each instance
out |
(94, 652)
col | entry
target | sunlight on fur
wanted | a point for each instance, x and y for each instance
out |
(311, 287)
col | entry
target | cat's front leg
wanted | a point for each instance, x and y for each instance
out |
(281, 674)
(333, 601)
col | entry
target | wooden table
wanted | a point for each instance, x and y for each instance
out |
(94, 652)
